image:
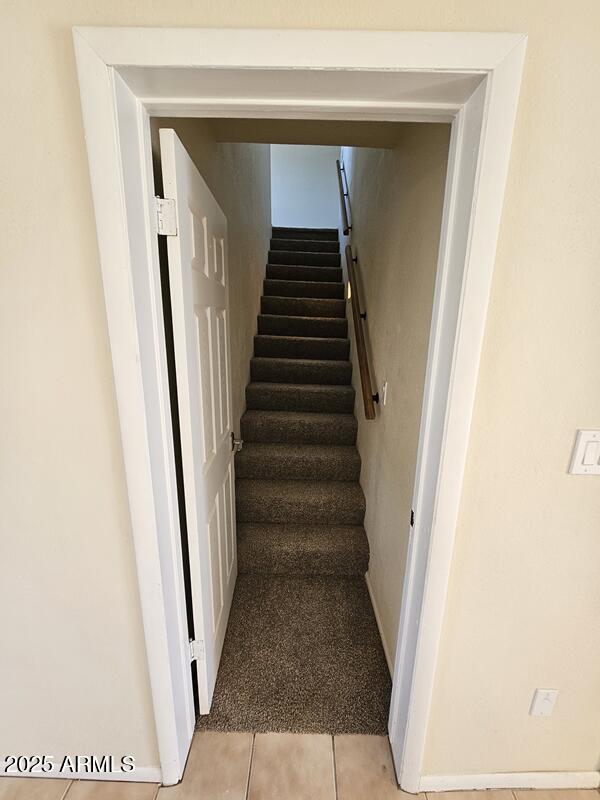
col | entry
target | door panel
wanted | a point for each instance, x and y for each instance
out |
(200, 302)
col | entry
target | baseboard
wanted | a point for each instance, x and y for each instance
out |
(510, 780)
(386, 650)
(139, 775)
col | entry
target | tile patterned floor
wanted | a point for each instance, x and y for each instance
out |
(271, 766)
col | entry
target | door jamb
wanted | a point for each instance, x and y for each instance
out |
(117, 131)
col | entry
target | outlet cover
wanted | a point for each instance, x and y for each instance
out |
(543, 702)
(586, 453)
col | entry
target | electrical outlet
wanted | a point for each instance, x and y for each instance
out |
(543, 702)
(384, 394)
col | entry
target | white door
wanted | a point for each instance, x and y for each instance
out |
(200, 300)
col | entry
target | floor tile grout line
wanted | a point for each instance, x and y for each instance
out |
(250, 767)
(335, 783)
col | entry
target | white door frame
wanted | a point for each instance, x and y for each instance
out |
(126, 74)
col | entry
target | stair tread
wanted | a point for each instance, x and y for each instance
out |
(285, 287)
(302, 549)
(318, 462)
(308, 397)
(318, 450)
(307, 347)
(293, 337)
(303, 306)
(300, 414)
(286, 230)
(309, 362)
(293, 528)
(304, 257)
(328, 388)
(322, 300)
(294, 427)
(279, 500)
(299, 370)
(278, 489)
(309, 320)
(298, 272)
(280, 282)
(303, 251)
(303, 266)
(308, 245)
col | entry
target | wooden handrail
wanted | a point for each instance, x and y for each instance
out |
(369, 399)
(343, 196)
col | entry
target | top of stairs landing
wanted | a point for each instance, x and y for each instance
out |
(314, 234)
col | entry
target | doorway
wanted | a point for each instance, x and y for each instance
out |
(125, 76)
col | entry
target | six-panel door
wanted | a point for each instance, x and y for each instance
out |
(199, 289)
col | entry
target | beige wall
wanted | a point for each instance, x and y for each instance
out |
(524, 601)
(396, 197)
(239, 176)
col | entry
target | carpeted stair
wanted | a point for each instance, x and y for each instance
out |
(302, 651)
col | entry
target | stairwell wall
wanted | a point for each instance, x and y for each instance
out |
(396, 198)
(239, 176)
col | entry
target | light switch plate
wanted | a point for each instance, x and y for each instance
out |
(543, 702)
(586, 453)
(384, 393)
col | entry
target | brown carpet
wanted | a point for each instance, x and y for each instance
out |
(301, 654)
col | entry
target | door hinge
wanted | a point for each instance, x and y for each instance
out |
(166, 217)
(196, 650)
(412, 518)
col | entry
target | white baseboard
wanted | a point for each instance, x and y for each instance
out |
(139, 775)
(386, 650)
(510, 780)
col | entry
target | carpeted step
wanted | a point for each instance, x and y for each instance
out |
(279, 288)
(320, 502)
(301, 347)
(300, 257)
(281, 325)
(303, 306)
(276, 549)
(297, 427)
(294, 272)
(300, 397)
(305, 245)
(298, 370)
(319, 462)
(326, 234)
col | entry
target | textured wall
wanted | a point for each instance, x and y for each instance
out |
(396, 198)
(524, 599)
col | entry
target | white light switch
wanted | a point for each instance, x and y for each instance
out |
(543, 702)
(384, 394)
(586, 454)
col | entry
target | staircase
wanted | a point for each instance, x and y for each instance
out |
(302, 651)
(300, 508)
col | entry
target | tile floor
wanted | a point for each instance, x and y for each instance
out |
(270, 766)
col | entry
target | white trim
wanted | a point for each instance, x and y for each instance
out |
(121, 179)
(414, 51)
(384, 644)
(325, 109)
(139, 775)
(510, 780)
(139, 365)
(482, 136)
